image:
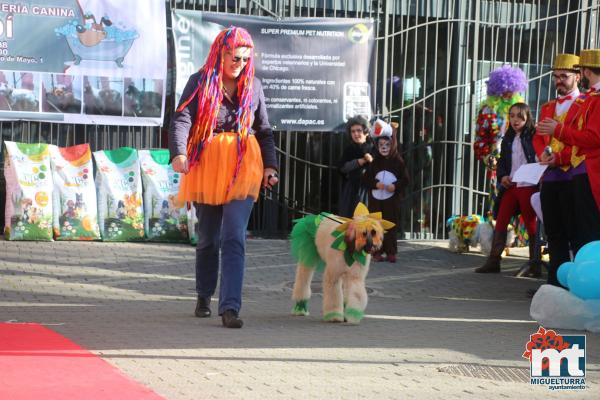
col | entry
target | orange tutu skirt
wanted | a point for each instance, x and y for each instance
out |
(207, 181)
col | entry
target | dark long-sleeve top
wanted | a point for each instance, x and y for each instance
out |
(182, 121)
(505, 161)
(348, 164)
(352, 191)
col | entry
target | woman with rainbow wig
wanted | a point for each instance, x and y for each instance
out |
(220, 138)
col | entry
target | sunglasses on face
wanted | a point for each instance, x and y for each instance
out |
(237, 59)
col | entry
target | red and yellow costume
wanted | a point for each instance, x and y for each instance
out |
(564, 152)
(583, 131)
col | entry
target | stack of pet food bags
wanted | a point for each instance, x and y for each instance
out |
(50, 192)
(165, 217)
(122, 214)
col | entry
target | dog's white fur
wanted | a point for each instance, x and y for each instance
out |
(343, 285)
(483, 237)
(454, 243)
(484, 234)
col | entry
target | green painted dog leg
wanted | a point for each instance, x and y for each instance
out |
(300, 308)
(333, 317)
(353, 316)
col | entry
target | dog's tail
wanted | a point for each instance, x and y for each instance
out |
(303, 235)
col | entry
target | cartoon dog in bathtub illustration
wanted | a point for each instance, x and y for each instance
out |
(89, 39)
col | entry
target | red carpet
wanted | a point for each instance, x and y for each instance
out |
(37, 363)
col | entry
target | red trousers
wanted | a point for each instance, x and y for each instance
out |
(513, 200)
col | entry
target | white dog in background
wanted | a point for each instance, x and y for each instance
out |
(484, 235)
(472, 231)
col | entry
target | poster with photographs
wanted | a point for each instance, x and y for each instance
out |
(92, 62)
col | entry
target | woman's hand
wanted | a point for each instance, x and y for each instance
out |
(380, 186)
(390, 188)
(506, 181)
(180, 164)
(546, 126)
(270, 178)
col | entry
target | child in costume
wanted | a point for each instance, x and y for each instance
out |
(516, 149)
(386, 177)
(504, 88)
(352, 165)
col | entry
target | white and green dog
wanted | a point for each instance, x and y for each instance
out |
(341, 248)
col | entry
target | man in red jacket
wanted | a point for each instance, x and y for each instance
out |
(556, 194)
(583, 131)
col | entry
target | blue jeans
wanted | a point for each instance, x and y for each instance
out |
(222, 228)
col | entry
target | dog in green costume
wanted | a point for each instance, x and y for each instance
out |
(341, 248)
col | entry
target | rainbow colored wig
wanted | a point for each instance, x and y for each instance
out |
(210, 95)
(506, 79)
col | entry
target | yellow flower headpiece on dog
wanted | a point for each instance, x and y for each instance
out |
(362, 211)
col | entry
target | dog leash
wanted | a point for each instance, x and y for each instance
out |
(286, 204)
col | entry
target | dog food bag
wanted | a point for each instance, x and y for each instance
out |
(165, 217)
(119, 191)
(75, 206)
(193, 224)
(28, 192)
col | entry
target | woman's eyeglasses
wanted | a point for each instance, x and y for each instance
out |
(237, 59)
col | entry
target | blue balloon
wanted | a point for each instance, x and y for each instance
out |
(589, 252)
(584, 280)
(563, 273)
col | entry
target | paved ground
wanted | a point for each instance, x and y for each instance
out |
(433, 328)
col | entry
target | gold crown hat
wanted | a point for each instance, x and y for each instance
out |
(566, 61)
(589, 58)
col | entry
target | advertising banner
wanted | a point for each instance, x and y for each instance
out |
(315, 71)
(83, 61)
